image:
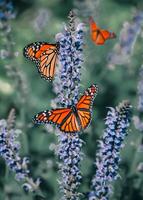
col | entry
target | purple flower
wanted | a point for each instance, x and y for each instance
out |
(137, 120)
(70, 55)
(140, 90)
(69, 152)
(66, 87)
(6, 10)
(127, 39)
(9, 151)
(108, 155)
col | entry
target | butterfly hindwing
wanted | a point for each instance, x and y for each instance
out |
(100, 39)
(85, 118)
(45, 57)
(70, 125)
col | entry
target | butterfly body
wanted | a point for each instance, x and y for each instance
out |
(76, 114)
(98, 35)
(44, 55)
(71, 119)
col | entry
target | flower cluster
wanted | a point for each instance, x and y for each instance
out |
(70, 55)
(87, 8)
(108, 156)
(9, 150)
(128, 36)
(20, 82)
(6, 13)
(7, 49)
(42, 19)
(69, 152)
(6, 10)
(137, 121)
(140, 90)
(66, 87)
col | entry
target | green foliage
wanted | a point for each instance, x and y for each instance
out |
(114, 86)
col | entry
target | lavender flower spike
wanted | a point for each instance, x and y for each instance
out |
(140, 90)
(66, 87)
(9, 150)
(70, 56)
(124, 49)
(136, 119)
(6, 10)
(70, 153)
(108, 156)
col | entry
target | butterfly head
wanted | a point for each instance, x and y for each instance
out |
(112, 35)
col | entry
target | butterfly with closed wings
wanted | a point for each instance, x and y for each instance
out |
(98, 35)
(44, 55)
(74, 118)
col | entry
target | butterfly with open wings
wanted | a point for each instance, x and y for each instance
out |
(44, 55)
(74, 118)
(98, 35)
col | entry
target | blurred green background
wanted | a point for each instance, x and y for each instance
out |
(25, 91)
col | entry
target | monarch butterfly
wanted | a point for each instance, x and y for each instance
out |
(74, 118)
(45, 57)
(98, 35)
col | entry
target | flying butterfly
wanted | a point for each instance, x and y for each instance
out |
(98, 35)
(44, 55)
(71, 119)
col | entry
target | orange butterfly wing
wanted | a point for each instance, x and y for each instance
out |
(62, 117)
(105, 34)
(85, 104)
(100, 39)
(94, 29)
(47, 63)
(98, 35)
(70, 125)
(73, 119)
(45, 57)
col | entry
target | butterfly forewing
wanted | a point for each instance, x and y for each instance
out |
(86, 100)
(34, 50)
(62, 117)
(54, 116)
(84, 106)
